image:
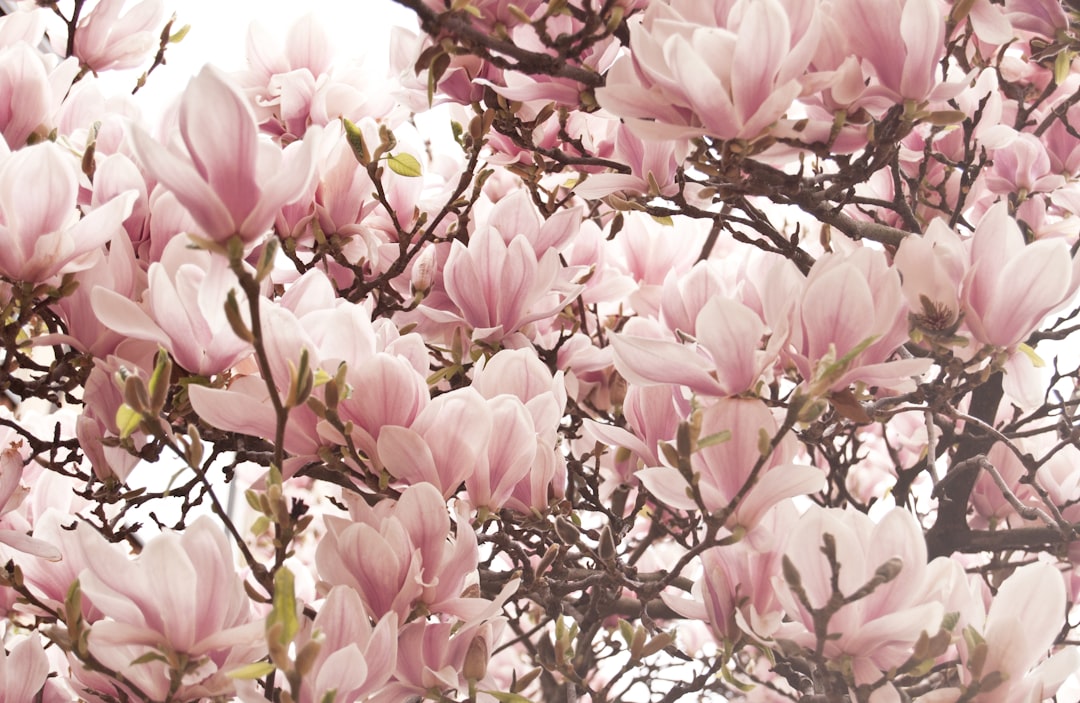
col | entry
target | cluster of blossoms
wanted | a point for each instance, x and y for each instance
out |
(727, 352)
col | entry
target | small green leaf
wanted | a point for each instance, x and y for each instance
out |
(250, 672)
(355, 139)
(405, 164)
(1062, 66)
(127, 420)
(149, 657)
(159, 381)
(284, 608)
(178, 36)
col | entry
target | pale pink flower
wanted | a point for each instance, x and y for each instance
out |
(230, 181)
(501, 287)
(183, 310)
(653, 165)
(23, 25)
(355, 659)
(852, 301)
(692, 72)
(510, 454)
(1012, 286)
(106, 40)
(652, 416)
(735, 594)
(902, 40)
(41, 230)
(23, 671)
(878, 631)
(728, 359)
(726, 465)
(1021, 625)
(933, 267)
(1022, 165)
(12, 493)
(1043, 17)
(115, 270)
(434, 656)
(399, 554)
(432, 450)
(31, 92)
(180, 596)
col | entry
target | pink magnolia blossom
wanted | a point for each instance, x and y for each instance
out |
(230, 182)
(692, 72)
(1011, 286)
(1020, 627)
(32, 89)
(933, 267)
(439, 656)
(305, 82)
(183, 310)
(12, 493)
(398, 555)
(510, 455)
(726, 464)
(1043, 17)
(355, 659)
(902, 40)
(734, 596)
(42, 232)
(727, 361)
(875, 632)
(652, 416)
(431, 450)
(23, 671)
(853, 306)
(115, 270)
(500, 287)
(106, 40)
(180, 596)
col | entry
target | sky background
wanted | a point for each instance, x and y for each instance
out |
(219, 33)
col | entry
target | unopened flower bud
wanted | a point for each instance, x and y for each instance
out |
(423, 271)
(476, 660)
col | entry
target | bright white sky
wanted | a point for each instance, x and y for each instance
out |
(219, 33)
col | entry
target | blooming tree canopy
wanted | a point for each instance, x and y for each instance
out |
(714, 350)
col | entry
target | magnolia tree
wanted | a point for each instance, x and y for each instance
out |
(711, 350)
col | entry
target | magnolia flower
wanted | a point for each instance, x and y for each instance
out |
(876, 632)
(409, 541)
(106, 40)
(691, 72)
(183, 310)
(230, 181)
(1011, 286)
(23, 671)
(853, 318)
(31, 92)
(354, 659)
(733, 428)
(41, 233)
(180, 596)
(1021, 625)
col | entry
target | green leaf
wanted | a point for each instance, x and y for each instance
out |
(128, 420)
(405, 165)
(254, 671)
(178, 36)
(355, 138)
(284, 608)
(149, 657)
